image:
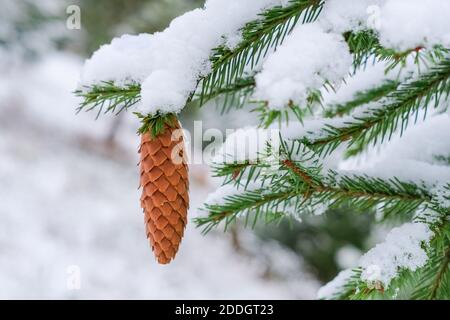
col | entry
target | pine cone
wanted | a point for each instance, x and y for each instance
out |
(165, 185)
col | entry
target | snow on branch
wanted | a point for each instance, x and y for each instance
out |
(298, 183)
(169, 64)
(417, 253)
(400, 180)
(402, 249)
(290, 57)
(307, 60)
(377, 122)
(260, 37)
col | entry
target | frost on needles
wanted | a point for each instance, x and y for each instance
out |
(359, 93)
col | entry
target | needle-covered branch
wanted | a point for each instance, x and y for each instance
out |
(108, 97)
(226, 82)
(393, 114)
(366, 48)
(258, 37)
(361, 98)
(302, 186)
(430, 281)
(288, 71)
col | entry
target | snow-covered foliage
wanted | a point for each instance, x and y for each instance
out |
(403, 249)
(368, 82)
(406, 24)
(169, 63)
(334, 287)
(245, 144)
(308, 58)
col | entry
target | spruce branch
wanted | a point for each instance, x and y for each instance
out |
(267, 116)
(361, 98)
(258, 37)
(235, 94)
(258, 203)
(432, 281)
(227, 67)
(442, 276)
(108, 97)
(436, 277)
(350, 287)
(365, 47)
(301, 186)
(377, 124)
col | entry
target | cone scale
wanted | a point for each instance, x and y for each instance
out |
(165, 185)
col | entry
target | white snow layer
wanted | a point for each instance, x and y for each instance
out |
(304, 62)
(221, 194)
(402, 250)
(401, 24)
(345, 15)
(246, 144)
(168, 63)
(335, 286)
(407, 24)
(410, 157)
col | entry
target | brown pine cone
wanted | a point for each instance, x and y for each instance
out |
(165, 185)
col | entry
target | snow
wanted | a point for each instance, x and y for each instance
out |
(246, 144)
(369, 77)
(169, 63)
(126, 54)
(345, 15)
(417, 172)
(407, 24)
(362, 80)
(401, 24)
(303, 63)
(402, 250)
(334, 287)
(220, 195)
(441, 194)
(410, 157)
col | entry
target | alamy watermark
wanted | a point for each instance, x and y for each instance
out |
(73, 21)
(217, 146)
